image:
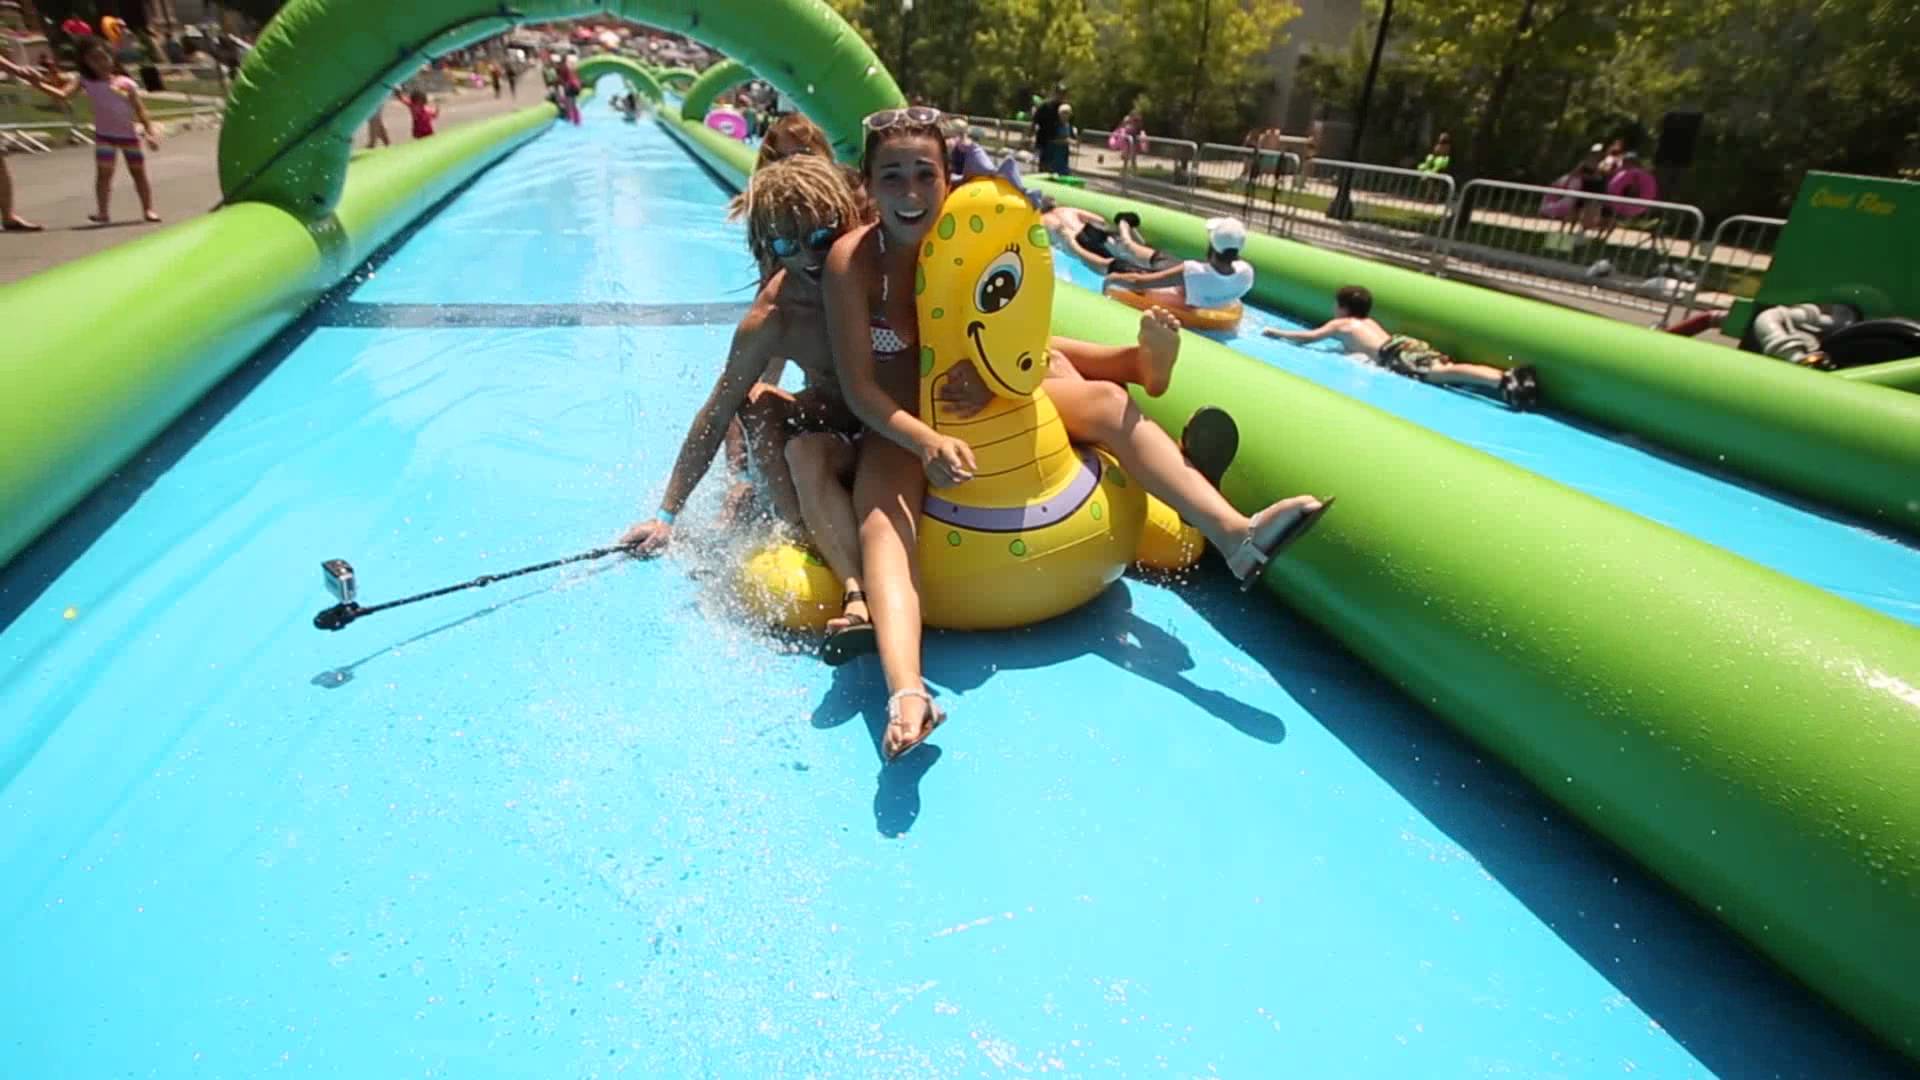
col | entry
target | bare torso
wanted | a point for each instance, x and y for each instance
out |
(1361, 335)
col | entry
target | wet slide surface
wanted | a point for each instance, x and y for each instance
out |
(594, 824)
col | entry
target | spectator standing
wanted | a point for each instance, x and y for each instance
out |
(1050, 132)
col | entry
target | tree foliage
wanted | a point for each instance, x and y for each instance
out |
(1191, 64)
(1785, 85)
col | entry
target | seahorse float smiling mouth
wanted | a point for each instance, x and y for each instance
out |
(976, 331)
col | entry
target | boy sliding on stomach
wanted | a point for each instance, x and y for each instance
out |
(1354, 326)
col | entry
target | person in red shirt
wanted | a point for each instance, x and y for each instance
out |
(423, 113)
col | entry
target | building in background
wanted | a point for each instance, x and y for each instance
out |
(1325, 24)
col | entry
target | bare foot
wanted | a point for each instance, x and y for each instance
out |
(911, 719)
(99, 219)
(153, 215)
(16, 223)
(1159, 349)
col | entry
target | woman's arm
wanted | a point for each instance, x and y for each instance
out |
(754, 341)
(1153, 279)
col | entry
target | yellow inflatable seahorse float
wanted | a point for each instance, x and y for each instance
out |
(1044, 525)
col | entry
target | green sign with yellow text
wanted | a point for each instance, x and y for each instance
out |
(1849, 240)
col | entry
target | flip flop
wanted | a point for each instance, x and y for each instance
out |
(934, 719)
(857, 638)
(1211, 440)
(1299, 528)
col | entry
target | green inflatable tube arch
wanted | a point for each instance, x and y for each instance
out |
(1840, 442)
(642, 80)
(292, 115)
(83, 393)
(713, 82)
(677, 80)
(1896, 375)
(1752, 739)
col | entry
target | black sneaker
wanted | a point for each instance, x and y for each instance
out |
(1520, 388)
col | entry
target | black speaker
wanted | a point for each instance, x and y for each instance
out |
(1678, 132)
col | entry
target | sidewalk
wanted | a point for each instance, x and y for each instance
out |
(56, 189)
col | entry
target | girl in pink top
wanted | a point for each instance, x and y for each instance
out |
(117, 112)
(423, 114)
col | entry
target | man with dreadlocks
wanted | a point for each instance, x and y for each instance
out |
(795, 208)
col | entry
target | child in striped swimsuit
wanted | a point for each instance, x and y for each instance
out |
(119, 121)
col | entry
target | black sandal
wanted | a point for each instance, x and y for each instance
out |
(857, 638)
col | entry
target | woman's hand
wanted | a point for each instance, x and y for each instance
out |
(646, 538)
(963, 391)
(948, 461)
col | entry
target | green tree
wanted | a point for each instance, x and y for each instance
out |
(1197, 60)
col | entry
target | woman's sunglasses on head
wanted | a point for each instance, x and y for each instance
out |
(915, 115)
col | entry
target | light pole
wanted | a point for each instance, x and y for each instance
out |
(1341, 208)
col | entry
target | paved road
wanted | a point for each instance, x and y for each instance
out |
(56, 189)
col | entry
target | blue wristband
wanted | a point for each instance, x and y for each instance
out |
(666, 516)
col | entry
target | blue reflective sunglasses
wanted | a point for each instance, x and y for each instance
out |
(816, 241)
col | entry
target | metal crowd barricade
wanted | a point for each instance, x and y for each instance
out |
(1642, 253)
(1375, 210)
(23, 137)
(1164, 171)
(1242, 180)
(998, 137)
(1737, 259)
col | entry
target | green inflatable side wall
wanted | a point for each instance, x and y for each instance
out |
(83, 392)
(321, 67)
(642, 80)
(1843, 443)
(1897, 375)
(712, 82)
(1752, 739)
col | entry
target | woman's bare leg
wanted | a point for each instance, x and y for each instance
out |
(888, 487)
(1100, 412)
(819, 464)
(1148, 362)
(764, 419)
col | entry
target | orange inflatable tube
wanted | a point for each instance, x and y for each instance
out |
(1193, 318)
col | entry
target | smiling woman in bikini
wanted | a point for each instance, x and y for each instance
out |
(872, 322)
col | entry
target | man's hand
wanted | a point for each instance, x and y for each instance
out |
(948, 461)
(646, 539)
(962, 391)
